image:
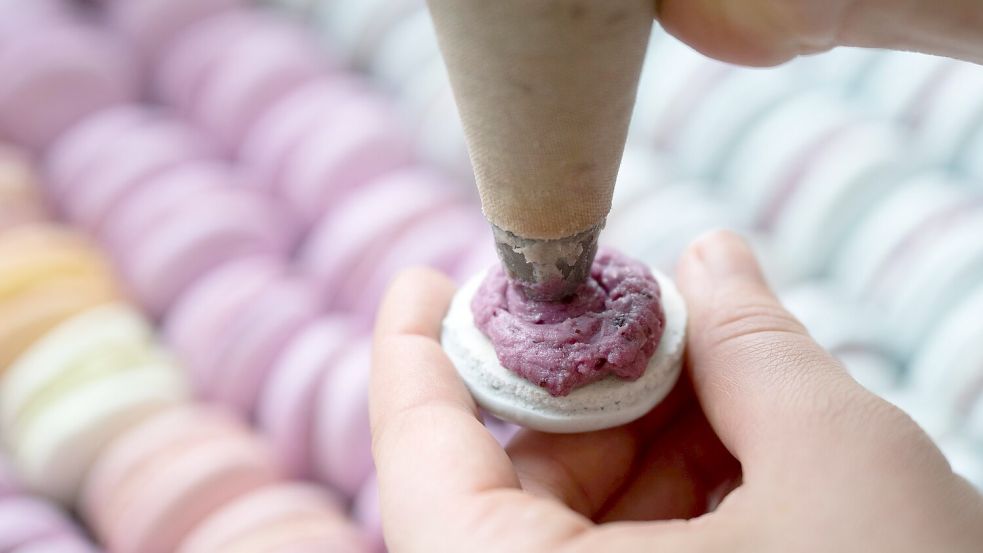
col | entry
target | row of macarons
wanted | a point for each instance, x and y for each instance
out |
(96, 415)
(221, 64)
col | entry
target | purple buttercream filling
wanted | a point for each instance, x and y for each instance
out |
(611, 325)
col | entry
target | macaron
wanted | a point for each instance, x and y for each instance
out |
(187, 62)
(244, 353)
(948, 366)
(57, 76)
(903, 86)
(657, 226)
(153, 25)
(366, 510)
(288, 404)
(285, 517)
(69, 158)
(410, 45)
(439, 242)
(947, 125)
(349, 148)
(253, 72)
(603, 404)
(78, 387)
(212, 304)
(282, 128)
(702, 144)
(142, 153)
(343, 442)
(917, 255)
(26, 520)
(209, 460)
(31, 314)
(218, 224)
(47, 274)
(674, 81)
(369, 219)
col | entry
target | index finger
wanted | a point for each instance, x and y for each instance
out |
(429, 444)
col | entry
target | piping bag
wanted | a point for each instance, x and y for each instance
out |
(545, 89)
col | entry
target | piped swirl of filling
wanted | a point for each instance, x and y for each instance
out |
(610, 326)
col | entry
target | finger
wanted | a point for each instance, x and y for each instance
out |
(758, 33)
(680, 475)
(428, 443)
(708, 534)
(584, 470)
(757, 373)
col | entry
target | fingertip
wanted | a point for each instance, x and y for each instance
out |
(415, 303)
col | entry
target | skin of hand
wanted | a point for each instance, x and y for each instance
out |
(811, 460)
(769, 32)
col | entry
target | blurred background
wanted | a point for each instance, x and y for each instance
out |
(201, 202)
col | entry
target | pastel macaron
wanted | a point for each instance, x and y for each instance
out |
(161, 479)
(47, 274)
(160, 259)
(55, 77)
(245, 352)
(128, 161)
(366, 510)
(289, 403)
(916, 255)
(343, 444)
(371, 219)
(27, 523)
(212, 304)
(153, 25)
(285, 517)
(78, 387)
(348, 148)
(249, 74)
(426, 242)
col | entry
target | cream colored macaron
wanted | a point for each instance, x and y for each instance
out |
(603, 404)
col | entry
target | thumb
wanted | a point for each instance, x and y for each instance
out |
(759, 377)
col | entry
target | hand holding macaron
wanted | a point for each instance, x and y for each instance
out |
(768, 442)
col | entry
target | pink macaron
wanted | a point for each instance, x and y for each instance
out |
(369, 220)
(207, 459)
(186, 64)
(250, 74)
(213, 303)
(69, 159)
(438, 242)
(347, 149)
(343, 444)
(217, 224)
(288, 122)
(55, 77)
(245, 352)
(288, 403)
(140, 155)
(287, 517)
(153, 25)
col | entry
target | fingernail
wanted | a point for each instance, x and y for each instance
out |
(726, 255)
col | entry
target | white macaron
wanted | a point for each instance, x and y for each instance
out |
(603, 404)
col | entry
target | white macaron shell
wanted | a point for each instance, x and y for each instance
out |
(604, 404)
